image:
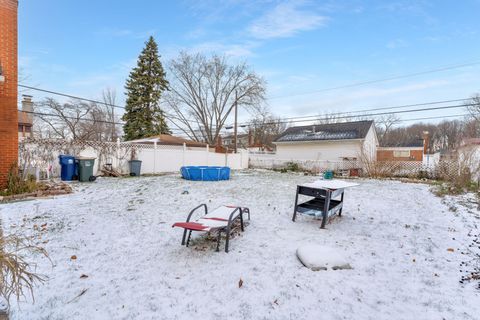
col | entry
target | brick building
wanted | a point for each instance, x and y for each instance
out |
(8, 87)
(405, 151)
(25, 118)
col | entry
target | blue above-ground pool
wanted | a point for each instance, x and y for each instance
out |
(205, 173)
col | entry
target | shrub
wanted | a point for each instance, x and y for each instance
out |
(17, 185)
(458, 174)
(16, 277)
(292, 166)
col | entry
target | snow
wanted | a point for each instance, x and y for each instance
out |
(395, 235)
(330, 184)
(317, 258)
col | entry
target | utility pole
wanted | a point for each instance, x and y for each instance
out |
(235, 125)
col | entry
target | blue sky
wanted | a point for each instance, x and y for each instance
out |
(82, 47)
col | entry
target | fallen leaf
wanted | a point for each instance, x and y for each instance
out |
(240, 283)
(450, 249)
(74, 257)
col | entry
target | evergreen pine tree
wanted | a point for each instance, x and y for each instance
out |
(143, 116)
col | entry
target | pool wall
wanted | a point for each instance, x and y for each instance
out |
(205, 173)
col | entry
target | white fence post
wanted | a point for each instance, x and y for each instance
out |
(117, 156)
(208, 151)
(154, 157)
(183, 153)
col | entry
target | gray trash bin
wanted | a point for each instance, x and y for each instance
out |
(135, 167)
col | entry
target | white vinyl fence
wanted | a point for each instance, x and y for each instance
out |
(40, 156)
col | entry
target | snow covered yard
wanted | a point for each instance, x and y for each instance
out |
(398, 238)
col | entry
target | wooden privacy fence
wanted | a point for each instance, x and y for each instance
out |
(40, 156)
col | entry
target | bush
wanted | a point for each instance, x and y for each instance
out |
(16, 277)
(17, 185)
(292, 166)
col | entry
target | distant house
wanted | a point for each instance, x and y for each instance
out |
(332, 142)
(243, 141)
(404, 151)
(25, 118)
(169, 140)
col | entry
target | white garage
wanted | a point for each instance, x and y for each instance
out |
(329, 142)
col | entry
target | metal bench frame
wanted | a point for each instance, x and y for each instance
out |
(226, 229)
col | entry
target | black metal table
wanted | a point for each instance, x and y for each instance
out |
(326, 202)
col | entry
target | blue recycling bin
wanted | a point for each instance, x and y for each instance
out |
(68, 167)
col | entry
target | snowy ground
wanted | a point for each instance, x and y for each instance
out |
(398, 238)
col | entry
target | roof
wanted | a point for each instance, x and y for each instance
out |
(414, 143)
(330, 131)
(166, 139)
(239, 136)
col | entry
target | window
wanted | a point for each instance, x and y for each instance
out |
(401, 153)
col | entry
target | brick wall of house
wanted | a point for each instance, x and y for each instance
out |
(387, 155)
(8, 89)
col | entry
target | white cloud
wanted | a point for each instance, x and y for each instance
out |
(285, 20)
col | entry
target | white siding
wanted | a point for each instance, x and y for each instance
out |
(332, 150)
(319, 150)
(370, 144)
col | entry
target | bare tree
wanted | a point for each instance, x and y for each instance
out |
(332, 117)
(449, 134)
(473, 121)
(109, 98)
(474, 107)
(204, 91)
(75, 120)
(265, 127)
(384, 124)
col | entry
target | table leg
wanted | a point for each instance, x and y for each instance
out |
(341, 203)
(325, 209)
(295, 206)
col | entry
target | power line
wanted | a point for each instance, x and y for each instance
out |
(362, 83)
(436, 117)
(382, 108)
(78, 119)
(294, 121)
(69, 117)
(179, 130)
(70, 96)
(346, 114)
(319, 118)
